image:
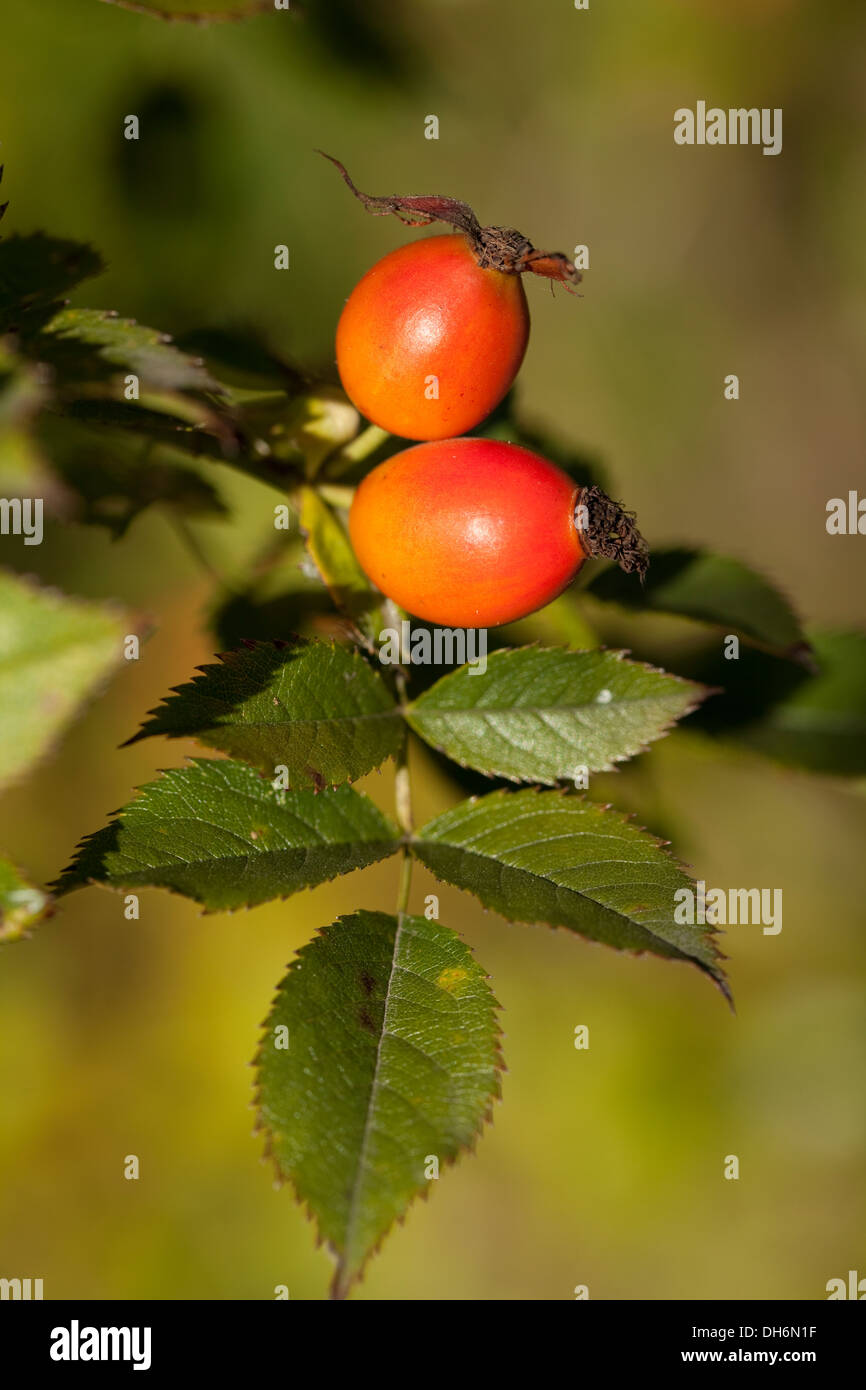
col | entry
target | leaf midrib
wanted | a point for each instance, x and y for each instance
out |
(228, 859)
(292, 723)
(352, 1217)
(538, 710)
(530, 875)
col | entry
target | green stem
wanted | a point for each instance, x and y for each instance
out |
(341, 1283)
(403, 804)
(336, 494)
(358, 449)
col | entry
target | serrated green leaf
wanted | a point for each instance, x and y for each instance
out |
(709, 588)
(55, 652)
(543, 856)
(541, 714)
(22, 906)
(84, 344)
(821, 724)
(35, 273)
(217, 832)
(315, 708)
(330, 548)
(393, 1056)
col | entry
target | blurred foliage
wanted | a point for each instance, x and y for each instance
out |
(711, 588)
(698, 262)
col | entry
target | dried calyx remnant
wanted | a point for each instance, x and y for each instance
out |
(494, 248)
(608, 531)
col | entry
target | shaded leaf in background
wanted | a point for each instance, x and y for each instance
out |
(23, 393)
(88, 344)
(21, 905)
(820, 725)
(744, 689)
(316, 708)
(217, 832)
(543, 856)
(55, 652)
(36, 273)
(241, 358)
(328, 543)
(393, 1055)
(178, 421)
(541, 714)
(282, 598)
(712, 589)
(112, 483)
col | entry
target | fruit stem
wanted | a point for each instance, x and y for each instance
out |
(358, 449)
(402, 777)
(403, 803)
(338, 495)
(608, 531)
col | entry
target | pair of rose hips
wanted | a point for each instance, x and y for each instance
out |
(460, 532)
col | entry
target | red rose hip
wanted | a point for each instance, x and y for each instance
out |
(429, 343)
(474, 533)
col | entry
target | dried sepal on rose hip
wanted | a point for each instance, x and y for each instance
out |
(495, 248)
(432, 337)
(476, 533)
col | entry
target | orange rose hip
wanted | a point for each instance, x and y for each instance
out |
(475, 533)
(429, 343)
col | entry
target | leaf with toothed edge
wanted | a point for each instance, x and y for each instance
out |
(316, 708)
(555, 858)
(219, 833)
(391, 1056)
(539, 714)
(90, 343)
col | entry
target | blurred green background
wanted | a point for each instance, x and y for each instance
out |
(603, 1167)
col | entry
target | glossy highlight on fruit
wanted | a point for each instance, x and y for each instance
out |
(429, 343)
(468, 532)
